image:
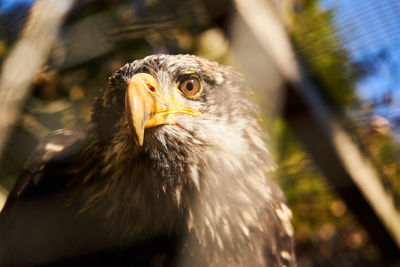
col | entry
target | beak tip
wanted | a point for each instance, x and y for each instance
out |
(139, 142)
(138, 138)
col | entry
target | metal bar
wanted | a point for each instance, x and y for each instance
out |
(26, 58)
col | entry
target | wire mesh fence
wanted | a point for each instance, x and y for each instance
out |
(352, 50)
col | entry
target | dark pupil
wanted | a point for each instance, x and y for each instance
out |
(189, 86)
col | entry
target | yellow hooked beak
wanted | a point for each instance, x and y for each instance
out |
(147, 107)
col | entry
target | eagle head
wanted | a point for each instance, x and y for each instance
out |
(169, 100)
(188, 123)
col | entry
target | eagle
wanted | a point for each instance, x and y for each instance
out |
(171, 171)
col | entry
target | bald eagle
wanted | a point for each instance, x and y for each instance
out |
(170, 172)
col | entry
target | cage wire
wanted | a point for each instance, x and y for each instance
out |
(352, 49)
(370, 32)
(100, 36)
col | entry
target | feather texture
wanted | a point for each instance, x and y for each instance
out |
(194, 194)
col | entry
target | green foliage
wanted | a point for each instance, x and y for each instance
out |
(308, 193)
(326, 232)
(316, 38)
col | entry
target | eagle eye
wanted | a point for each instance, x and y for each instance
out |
(190, 85)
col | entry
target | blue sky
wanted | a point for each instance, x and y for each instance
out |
(6, 5)
(370, 30)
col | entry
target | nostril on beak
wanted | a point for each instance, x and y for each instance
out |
(151, 87)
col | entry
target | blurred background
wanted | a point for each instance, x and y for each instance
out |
(325, 73)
